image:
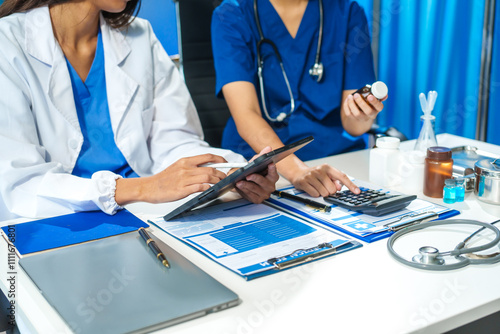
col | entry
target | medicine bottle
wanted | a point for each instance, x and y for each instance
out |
(438, 167)
(377, 89)
(460, 189)
(411, 171)
(384, 162)
(449, 191)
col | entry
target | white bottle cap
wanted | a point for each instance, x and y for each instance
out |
(379, 90)
(387, 142)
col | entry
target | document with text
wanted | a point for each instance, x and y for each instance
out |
(254, 239)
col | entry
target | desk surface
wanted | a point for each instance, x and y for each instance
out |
(362, 291)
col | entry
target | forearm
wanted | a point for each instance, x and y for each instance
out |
(357, 127)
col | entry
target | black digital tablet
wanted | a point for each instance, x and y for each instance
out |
(256, 166)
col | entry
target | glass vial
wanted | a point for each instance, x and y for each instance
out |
(377, 89)
(438, 167)
(460, 189)
(449, 191)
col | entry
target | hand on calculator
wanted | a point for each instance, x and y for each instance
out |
(369, 201)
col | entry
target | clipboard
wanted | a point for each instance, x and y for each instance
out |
(256, 166)
(343, 222)
(255, 240)
(71, 229)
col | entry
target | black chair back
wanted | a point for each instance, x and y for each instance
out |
(196, 60)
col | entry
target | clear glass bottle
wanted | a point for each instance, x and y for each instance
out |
(438, 167)
(449, 191)
(427, 136)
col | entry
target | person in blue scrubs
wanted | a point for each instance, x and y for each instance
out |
(290, 103)
(94, 115)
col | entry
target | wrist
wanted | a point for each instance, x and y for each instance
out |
(130, 190)
(291, 167)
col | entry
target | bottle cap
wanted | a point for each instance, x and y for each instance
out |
(387, 142)
(379, 90)
(449, 182)
(439, 153)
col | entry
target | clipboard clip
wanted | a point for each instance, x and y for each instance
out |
(327, 249)
(411, 219)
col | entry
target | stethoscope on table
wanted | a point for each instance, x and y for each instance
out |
(430, 258)
(316, 71)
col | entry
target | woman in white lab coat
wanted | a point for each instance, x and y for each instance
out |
(94, 114)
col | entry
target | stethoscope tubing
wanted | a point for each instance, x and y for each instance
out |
(458, 252)
(260, 64)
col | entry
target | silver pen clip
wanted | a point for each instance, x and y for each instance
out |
(411, 219)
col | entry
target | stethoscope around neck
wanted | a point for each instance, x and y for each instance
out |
(316, 71)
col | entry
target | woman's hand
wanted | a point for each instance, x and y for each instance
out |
(256, 187)
(177, 181)
(322, 180)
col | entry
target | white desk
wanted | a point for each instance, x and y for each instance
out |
(362, 291)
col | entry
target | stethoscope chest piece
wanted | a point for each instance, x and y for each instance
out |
(316, 71)
(428, 255)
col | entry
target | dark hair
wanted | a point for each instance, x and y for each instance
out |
(116, 20)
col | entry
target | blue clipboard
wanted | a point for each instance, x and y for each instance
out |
(75, 228)
(369, 238)
(245, 229)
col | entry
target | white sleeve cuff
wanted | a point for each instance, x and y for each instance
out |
(105, 182)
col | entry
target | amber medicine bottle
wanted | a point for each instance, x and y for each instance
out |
(438, 167)
(377, 89)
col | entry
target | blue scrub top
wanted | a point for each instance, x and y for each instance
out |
(99, 151)
(345, 53)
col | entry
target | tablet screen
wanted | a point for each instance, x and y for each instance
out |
(256, 166)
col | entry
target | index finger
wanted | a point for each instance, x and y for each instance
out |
(205, 158)
(376, 104)
(344, 179)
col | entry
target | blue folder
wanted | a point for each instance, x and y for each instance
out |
(70, 229)
(369, 238)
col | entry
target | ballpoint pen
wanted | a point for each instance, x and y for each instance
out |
(154, 248)
(316, 205)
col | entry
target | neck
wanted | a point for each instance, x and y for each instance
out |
(74, 23)
(288, 3)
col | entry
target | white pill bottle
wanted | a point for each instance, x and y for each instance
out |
(384, 162)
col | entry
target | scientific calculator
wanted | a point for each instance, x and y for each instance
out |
(369, 201)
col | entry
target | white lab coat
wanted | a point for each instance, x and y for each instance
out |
(152, 115)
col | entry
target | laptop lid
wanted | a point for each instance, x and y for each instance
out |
(116, 285)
